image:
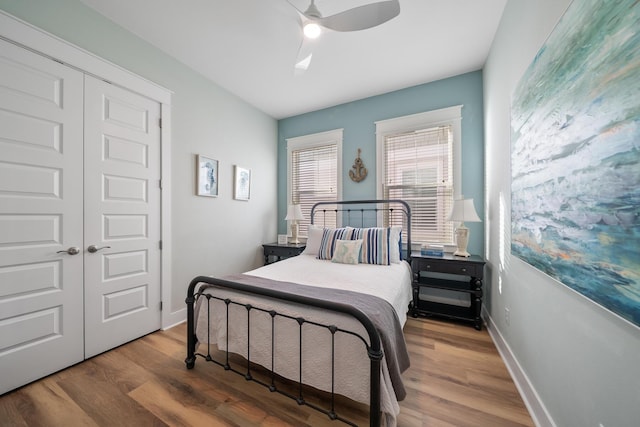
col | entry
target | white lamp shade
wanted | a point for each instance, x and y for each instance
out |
(464, 211)
(294, 213)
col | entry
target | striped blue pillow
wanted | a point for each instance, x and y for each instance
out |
(328, 242)
(375, 245)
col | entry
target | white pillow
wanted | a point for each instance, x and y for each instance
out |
(347, 251)
(314, 238)
(394, 244)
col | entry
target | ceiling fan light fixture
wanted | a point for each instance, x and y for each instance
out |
(355, 19)
(312, 30)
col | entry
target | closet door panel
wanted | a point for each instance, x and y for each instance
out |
(122, 216)
(41, 289)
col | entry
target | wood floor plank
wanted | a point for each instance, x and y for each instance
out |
(443, 411)
(158, 399)
(474, 399)
(456, 379)
(45, 403)
(104, 401)
(10, 414)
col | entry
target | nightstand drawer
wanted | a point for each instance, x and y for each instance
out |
(275, 252)
(450, 267)
(283, 252)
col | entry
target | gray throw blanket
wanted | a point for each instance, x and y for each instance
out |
(381, 313)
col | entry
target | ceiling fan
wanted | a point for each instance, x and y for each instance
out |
(355, 19)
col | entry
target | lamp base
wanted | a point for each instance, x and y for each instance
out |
(294, 233)
(462, 253)
(462, 240)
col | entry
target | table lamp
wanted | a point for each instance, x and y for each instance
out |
(462, 211)
(294, 214)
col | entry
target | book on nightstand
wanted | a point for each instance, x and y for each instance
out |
(432, 250)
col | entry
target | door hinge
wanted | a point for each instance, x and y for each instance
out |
(160, 123)
(160, 183)
(160, 305)
(160, 244)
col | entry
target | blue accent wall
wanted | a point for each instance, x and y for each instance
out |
(358, 119)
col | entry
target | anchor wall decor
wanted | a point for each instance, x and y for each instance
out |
(358, 172)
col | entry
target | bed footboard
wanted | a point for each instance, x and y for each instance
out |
(374, 348)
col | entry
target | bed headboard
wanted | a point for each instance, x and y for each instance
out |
(367, 213)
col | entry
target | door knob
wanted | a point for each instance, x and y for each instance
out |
(73, 250)
(93, 248)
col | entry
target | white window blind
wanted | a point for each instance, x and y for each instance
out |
(418, 169)
(314, 162)
(418, 161)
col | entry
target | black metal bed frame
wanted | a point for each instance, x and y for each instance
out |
(374, 349)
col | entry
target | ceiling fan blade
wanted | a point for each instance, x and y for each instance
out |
(301, 13)
(362, 17)
(304, 55)
(303, 58)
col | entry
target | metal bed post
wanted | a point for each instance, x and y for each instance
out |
(191, 333)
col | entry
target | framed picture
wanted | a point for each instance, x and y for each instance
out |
(207, 179)
(282, 239)
(575, 157)
(242, 183)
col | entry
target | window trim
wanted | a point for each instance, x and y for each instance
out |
(316, 140)
(451, 116)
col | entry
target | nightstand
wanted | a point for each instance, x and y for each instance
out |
(448, 286)
(279, 252)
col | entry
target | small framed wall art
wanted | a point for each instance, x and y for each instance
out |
(242, 185)
(207, 179)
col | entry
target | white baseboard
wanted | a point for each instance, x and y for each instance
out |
(537, 410)
(174, 318)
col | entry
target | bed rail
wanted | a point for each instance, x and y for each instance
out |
(374, 349)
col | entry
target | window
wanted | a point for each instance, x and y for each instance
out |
(314, 173)
(418, 162)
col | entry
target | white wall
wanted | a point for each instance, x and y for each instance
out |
(212, 236)
(216, 236)
(581, 360)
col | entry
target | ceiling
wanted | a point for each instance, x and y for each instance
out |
(249, 47)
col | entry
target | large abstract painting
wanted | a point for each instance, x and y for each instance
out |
(575, 123)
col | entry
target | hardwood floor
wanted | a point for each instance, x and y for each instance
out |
(456, 378)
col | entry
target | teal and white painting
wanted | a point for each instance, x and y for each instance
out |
(575, 155)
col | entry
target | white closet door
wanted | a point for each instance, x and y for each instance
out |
(41, 293)
(122, 216)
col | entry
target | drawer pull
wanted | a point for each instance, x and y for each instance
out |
(464, 270)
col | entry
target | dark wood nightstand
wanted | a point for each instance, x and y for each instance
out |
(448, 286)
(279, 252)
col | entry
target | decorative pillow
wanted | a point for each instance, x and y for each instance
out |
(347, 251)
(328, 241)
(314, 237)
(395, 244)
(375, 245)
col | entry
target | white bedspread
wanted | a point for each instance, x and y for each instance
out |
(391, 283)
